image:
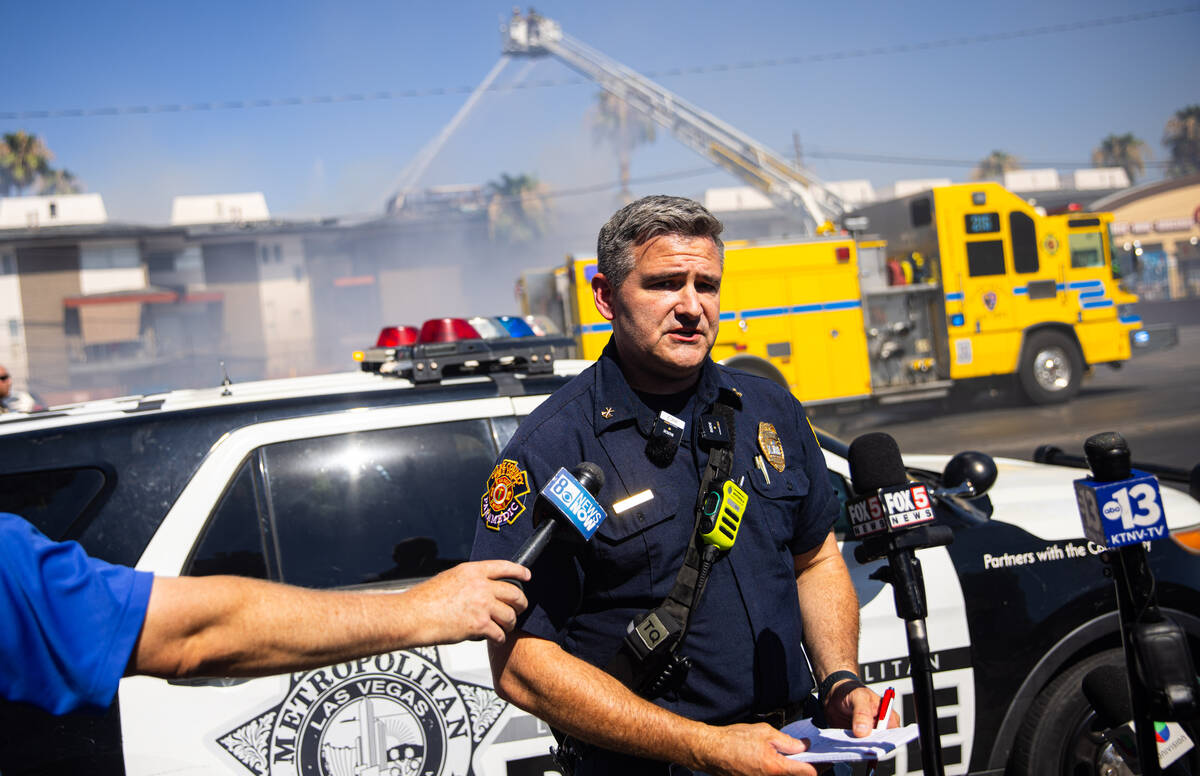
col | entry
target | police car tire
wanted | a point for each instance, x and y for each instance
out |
(1057, 342)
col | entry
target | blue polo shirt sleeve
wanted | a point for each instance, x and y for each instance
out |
(821, 507)
(68, 622)
(507, 518)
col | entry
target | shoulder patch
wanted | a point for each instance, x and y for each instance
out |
(504, 500)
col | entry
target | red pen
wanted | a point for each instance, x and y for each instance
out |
(885, 708)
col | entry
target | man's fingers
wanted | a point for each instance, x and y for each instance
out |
(504, 569)
(865, 709)
(785, 744)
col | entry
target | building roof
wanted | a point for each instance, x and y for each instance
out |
(1125, 196)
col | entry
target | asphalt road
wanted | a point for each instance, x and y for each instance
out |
(1154, 402)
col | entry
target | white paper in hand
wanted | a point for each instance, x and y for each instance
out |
(826, 745)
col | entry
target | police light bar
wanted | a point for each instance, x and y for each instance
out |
(447, 330)
(890, 509)
(396, 336)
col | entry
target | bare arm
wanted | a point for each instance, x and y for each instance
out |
(234, 626)
(580, 699)
(829, 606)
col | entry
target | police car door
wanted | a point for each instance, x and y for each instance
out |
(369, 497)
(883, 646)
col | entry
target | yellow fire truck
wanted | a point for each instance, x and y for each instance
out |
(964, 281)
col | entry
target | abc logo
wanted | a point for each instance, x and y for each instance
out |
(1112, 510)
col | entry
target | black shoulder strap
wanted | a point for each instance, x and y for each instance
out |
(655, 637)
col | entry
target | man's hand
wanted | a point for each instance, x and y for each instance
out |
(852, 706)
(750, 750)
(469, 601)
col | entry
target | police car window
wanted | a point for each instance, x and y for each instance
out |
(377, 505)
(985, 257)
(1086, 249)
(52, 500)
(232, 542)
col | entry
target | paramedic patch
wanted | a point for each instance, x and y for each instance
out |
(504, 500)
(395, 713)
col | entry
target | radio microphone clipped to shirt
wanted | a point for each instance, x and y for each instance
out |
(568, 497)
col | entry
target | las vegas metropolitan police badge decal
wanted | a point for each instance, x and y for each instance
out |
(504, 500)
(394, 714)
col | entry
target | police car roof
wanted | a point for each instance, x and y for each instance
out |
(274, 389)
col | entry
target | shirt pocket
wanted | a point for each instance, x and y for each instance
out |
(778, 502)
(627, 548)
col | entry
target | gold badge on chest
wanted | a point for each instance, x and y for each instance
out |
(772, 448)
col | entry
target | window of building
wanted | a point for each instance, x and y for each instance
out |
(1087, 249)
(1024, 242)
(278, 253)
(8, 264)
(265, 252)
(985, 257)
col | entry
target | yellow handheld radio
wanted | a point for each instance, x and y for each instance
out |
(723, 512)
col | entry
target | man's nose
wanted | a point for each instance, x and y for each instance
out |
(688, 303)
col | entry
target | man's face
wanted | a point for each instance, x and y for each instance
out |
(665, 314)
(5, 382)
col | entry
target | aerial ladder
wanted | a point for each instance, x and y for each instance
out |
(788, 188)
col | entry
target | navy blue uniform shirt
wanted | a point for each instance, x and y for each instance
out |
(745, 636)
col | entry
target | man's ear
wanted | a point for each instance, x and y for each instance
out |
(603, 294)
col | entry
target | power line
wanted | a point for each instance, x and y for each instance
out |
(896, 48)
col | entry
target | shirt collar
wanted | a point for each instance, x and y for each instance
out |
(617, 403)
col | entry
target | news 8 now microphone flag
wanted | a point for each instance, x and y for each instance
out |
(567, 497)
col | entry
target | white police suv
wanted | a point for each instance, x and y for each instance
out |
(373, 479)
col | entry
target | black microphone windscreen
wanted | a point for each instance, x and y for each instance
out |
(875, 463)
(590, 476)
(1108, 456)
(1108, 692)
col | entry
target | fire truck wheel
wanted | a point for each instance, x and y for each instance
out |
(1057, 738)
(1051, 368)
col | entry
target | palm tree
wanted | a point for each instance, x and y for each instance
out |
(23, 157)
(615, 123)
(517, 208)
(59, 182)
(995, 165)
(1124, 151)
(1182, 137)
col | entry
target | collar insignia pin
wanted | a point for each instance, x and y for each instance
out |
(607, 412)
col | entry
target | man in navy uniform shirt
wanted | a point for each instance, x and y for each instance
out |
(658, 280)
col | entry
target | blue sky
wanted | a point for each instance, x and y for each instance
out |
(1044, 97)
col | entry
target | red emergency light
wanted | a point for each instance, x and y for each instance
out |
(843, 254)
(396, 336)
(447, 330)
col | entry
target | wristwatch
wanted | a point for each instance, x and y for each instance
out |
(826, 685)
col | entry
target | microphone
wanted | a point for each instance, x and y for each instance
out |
(1118, 505)
(567, 497)
(1108, 693)
(887, 502)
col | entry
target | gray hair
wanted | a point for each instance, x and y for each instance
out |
(645, 219)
